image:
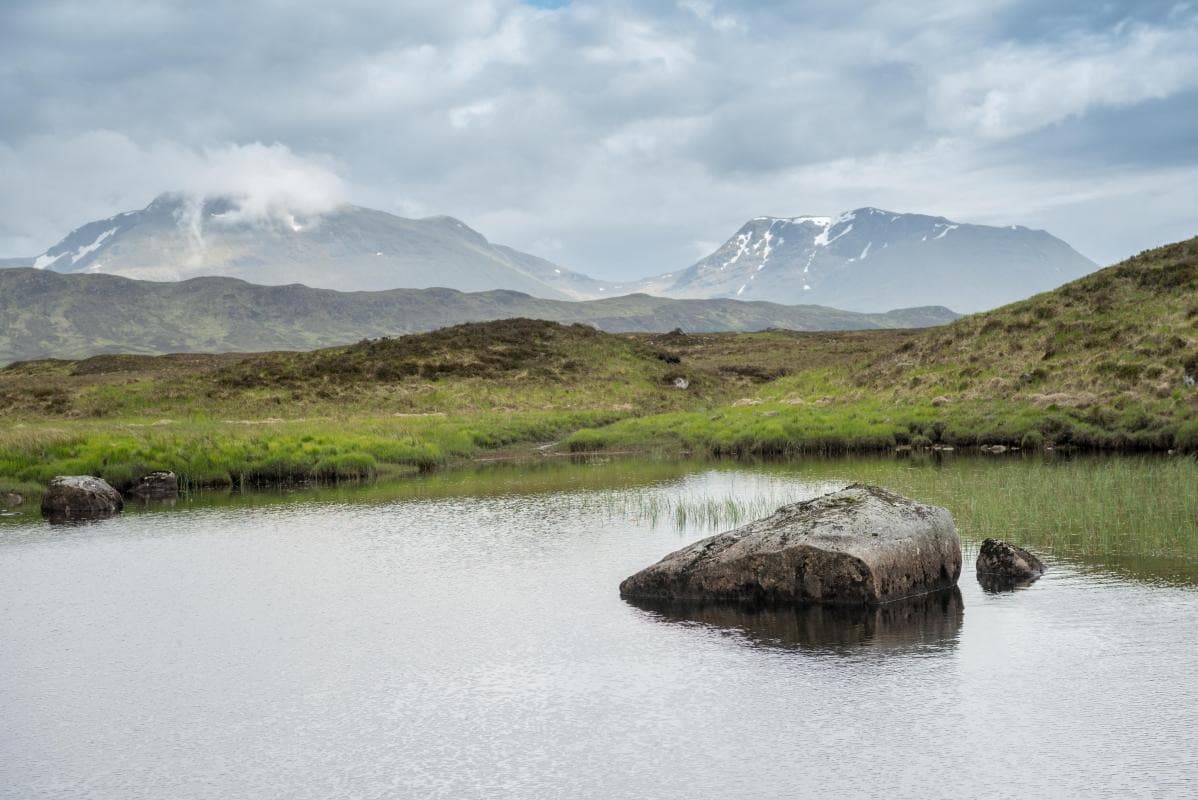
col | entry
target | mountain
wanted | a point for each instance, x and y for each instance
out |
(178, 237)
(869, 259)
(865, 260)
(47, 314)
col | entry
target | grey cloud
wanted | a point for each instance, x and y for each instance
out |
(625, 131)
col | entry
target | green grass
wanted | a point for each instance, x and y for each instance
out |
(213, 453)
(1135, 515)
(1098, 364)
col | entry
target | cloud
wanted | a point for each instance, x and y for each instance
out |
(68, 181)
(267, 181)
(623, 131)
(706, 11)
(1013, 89)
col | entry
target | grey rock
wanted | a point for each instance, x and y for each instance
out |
(859, 546)
(156, 486)
(1001, 565)
(10, 499)
(71, 497)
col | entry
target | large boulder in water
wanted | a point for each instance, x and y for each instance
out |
(80, 497)
(859, 546)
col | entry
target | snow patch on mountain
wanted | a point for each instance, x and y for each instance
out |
(93, 247)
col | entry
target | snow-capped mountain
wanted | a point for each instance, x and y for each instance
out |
(869, 259)
(864, 260)
(351, 248)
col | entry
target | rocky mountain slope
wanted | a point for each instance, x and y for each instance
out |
(47, 314)
(870, 259)
(350, 248)
(865, 260)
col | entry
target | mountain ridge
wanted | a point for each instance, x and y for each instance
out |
(867, 256)
(867, 259)
(177, 237)
(52, 314)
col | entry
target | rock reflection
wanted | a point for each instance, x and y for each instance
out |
(997, 584)
(930, 622)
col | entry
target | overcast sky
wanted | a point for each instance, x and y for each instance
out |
(618, 138)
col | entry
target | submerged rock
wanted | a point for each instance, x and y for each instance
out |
(156, 486)
(80, 497)
(1004, 566)
(859, 546)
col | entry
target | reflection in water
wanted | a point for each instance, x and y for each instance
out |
(153, 503)
(996, 584)
(930, 622)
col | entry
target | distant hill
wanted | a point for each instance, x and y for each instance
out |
(47, 314)
(869, 259)
(177, 237)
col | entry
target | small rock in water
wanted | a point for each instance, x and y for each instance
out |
(1001, 565)
(71, 497)
(156, 486)
(10, 499)
(859, 546)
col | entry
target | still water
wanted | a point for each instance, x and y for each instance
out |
(461, 636)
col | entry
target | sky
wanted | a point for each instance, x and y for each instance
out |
(621, 139)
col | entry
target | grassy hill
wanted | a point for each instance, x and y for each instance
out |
(1108, 361)
(48, 314)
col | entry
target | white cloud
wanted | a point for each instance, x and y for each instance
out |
(472, 114)
(68, 181)
(1013, 89)
(268, 181)
(706, 11)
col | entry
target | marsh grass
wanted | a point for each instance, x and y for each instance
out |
(255, 453)
(1138, 515)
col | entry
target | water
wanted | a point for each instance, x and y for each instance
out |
(458, 638)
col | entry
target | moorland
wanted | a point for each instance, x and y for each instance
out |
(1106, 362)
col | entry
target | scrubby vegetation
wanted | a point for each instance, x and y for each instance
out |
(1108, 362)
(1100, 363)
